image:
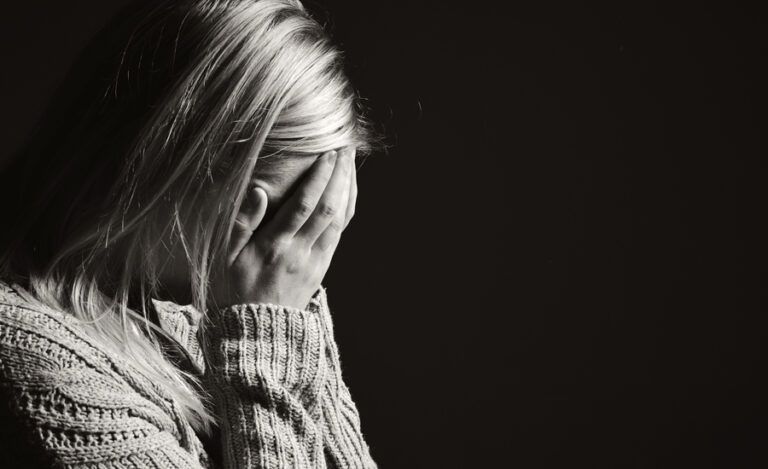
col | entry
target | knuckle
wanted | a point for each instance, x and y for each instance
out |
(330, 239)
(297, 261)
(273, 252)
(328, 244)
(272, 256)
(293, 267)
(327, 210)
(304, 208)
(336, 226)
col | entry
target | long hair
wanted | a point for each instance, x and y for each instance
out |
(154, 136)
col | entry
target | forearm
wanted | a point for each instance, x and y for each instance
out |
(275, 376)
(266, 367)
(342, 432)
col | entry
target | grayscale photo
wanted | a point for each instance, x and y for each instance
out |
(276, 234)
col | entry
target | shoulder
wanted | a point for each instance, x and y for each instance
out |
(41, 346)
(45, 350)
(80, 402)
(30, 329)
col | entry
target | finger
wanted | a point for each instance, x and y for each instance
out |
(300, 206)
(352, 195)
(251, 213)
(332, 201)
(330, 236)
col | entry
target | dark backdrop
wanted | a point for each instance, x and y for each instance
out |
(559, 261)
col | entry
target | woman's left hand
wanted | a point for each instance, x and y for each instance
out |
(284, 261)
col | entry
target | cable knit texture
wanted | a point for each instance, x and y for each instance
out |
(274, 373)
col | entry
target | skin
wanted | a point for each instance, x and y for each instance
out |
(284, 239)
(277, 176)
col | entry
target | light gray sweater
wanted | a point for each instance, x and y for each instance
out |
(274, 373)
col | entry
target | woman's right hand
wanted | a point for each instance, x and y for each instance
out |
(284, 262)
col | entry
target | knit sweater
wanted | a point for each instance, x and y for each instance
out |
(273, 371)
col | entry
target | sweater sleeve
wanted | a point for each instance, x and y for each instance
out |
(345, 446)
(82, 409)
(275, 383)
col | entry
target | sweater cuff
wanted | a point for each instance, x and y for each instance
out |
(263, 346)
(318, 305)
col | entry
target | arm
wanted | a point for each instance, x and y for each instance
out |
(82, 407)
(276, 380)
(342, 433)
(265, 367)
(275, 368)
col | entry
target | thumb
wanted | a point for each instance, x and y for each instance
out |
(249, 217)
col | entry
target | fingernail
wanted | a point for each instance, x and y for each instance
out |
(332, 156)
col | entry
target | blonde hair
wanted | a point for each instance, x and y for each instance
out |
(177, 101)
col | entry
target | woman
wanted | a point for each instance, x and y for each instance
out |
(166, 234)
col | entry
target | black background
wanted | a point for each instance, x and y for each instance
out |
(559, 261)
